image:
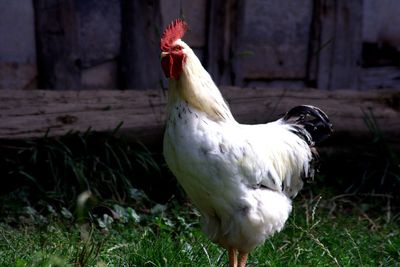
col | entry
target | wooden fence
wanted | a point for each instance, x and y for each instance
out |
(113, 44)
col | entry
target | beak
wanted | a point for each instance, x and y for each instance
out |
(164, 54)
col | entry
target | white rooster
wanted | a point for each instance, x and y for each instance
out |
(240, 177)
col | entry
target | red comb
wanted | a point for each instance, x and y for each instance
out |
(174, 31)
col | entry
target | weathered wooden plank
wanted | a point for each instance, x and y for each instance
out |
(337, 44)
(100, 42)
(216, 49)
(140, 58)
(32, 114)
(17, 45)
(381, 77)
(275, 40)
(99, 30)
(57, 38)
(381, 22)
(225, 19)
(194, 12)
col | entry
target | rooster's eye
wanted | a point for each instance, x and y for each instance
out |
(177, 48)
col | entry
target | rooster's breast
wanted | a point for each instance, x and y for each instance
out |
(213, 162)
(193, 150)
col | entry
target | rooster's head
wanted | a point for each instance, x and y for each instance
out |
(173, 54)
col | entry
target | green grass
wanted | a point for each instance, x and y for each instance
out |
(315, 235)
(57, 170)
(48, 218)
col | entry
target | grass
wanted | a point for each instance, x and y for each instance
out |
(73, 201)
(315, 235)
(57, 170)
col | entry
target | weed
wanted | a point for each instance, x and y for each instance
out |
(58, 170)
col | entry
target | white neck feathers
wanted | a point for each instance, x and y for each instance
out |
(196, 87)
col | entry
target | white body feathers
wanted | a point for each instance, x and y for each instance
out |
(240, 177)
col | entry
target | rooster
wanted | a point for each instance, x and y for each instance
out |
(240, 177)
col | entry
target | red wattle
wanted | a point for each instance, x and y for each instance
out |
(172, 65)
(166, 63)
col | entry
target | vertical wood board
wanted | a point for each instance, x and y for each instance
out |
(275, 39)
(17, 45)
(337, 44)
(57, 37)
(194, 12)
(224, 28)
(140, 58)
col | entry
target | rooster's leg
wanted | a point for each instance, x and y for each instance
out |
(242, 259)
(232, 257)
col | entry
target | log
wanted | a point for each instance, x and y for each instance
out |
(33, 114)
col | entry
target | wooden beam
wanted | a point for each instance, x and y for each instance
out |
(32, 114)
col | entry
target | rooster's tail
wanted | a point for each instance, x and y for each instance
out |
(313, 126)
(310, 123)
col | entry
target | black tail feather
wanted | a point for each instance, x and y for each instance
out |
(313, 126)
(311, 119)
